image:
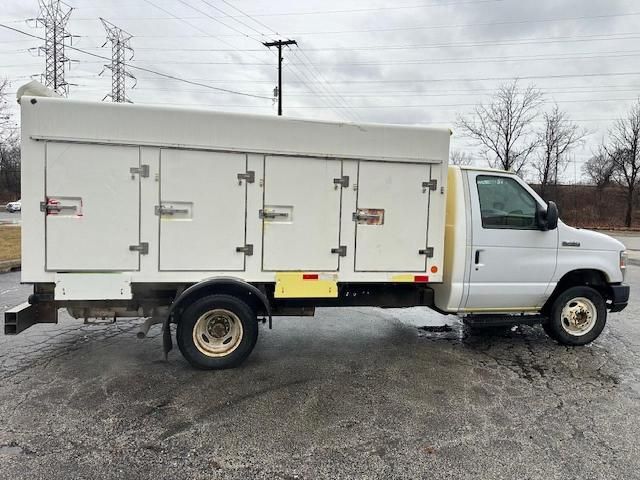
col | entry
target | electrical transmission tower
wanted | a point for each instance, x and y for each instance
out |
(54, 16)
(120, 50)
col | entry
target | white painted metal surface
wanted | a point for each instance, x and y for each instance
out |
(515, 263)
(94, 204)
(80, 154)
(193, 158)
(92, 286)
(202, 221)
(301, 211)
(396, 190)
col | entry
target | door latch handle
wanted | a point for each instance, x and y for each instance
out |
(48, 207)
(477, 257)
(269, 214)
(162, 210)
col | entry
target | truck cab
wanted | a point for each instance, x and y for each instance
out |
(519, 258)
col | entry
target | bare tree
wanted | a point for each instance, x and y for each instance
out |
(5, 118)
(557, 138)
(10, 167)
(599, 168)
(458, 157)
(9, 148)
(504, 127)
(624, 152)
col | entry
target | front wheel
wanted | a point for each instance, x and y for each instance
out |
(217, 331)
(577, 316)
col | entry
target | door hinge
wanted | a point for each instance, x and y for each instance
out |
(247, 249)
(426, 251)
(342, 181)
(142, 248)
(142, 170)
(431, 185)
(341, 250)
(249, 177)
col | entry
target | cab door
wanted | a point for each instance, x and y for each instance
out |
(512, 260)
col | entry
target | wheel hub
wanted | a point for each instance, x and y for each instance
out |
(578, 316)
(218, 327)
(217, 333)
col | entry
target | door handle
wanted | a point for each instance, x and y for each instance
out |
(477, 257)
(162, 210)
(269, 214)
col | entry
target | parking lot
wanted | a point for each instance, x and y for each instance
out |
(359, 393)
(9, 217)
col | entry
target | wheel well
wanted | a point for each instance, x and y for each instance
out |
(585, 277)
(239, 289)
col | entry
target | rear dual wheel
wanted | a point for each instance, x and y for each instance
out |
(577, 316)
(216, 332)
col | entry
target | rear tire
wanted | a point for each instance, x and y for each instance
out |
(216, 332)
(577, 316)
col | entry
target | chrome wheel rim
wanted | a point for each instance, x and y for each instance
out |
(217, 333)
(578, 317)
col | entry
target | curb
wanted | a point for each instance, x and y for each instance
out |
(9, 265)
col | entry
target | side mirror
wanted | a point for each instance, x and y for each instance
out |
(548, 220)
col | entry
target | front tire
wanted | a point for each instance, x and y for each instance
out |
(577, 316)
(216, 332)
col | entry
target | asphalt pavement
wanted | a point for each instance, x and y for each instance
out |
(351, 393)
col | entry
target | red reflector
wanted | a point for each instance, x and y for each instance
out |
(310, 276)
(420, 278)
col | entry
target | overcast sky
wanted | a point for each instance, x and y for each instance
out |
(410, 61)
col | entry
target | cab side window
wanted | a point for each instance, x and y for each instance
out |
(504, 203)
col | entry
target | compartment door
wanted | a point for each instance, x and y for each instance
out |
(93, 207)
(391, 217)
(202, 210)
(301, 214)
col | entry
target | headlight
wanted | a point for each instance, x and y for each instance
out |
(623, 263)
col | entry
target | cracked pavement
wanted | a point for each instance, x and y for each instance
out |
(351, 393)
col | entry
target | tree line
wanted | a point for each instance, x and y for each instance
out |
(514, 133)
(9, 150)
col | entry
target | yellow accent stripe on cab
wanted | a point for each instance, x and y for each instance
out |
(294, 285)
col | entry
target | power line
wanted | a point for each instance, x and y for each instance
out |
(436, 61)
(374, 9)
(465, 25)
(376, 48)
(326, 86)
(217, 20)
(148, 70)
(324, 12)
(459, 79)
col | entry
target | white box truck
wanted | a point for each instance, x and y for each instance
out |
(212, 221)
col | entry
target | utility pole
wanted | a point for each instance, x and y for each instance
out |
(280, 44)
(54, 16)
(119, 48)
